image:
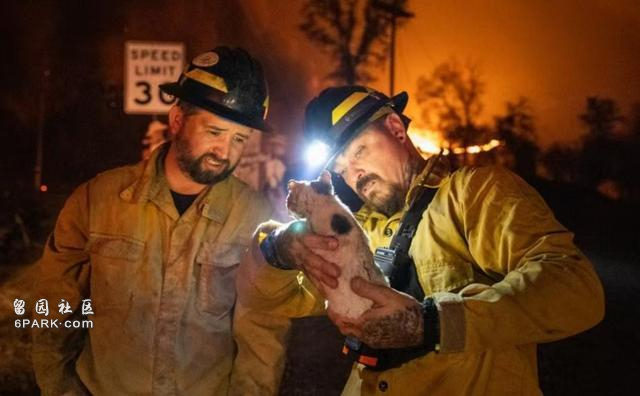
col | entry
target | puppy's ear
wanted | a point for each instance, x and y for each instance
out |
(322, 185)
(291, 184)
(325, 177)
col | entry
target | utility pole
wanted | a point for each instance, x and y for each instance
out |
(37, 171)
(395, 11)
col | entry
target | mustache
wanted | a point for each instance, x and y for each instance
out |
(364, 180)
(215, 158)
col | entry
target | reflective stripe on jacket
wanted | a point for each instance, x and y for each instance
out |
(162, 285)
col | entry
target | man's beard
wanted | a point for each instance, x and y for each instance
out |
(387, 198)
(195, 167)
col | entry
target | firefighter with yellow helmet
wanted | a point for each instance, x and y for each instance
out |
(480, 269)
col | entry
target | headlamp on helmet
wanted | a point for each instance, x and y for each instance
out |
(317, 154)
(338, 114)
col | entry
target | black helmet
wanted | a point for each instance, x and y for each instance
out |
(339, 113)
(227, 82)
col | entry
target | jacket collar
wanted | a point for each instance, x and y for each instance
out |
(150, 179)
(218, 201)
(435, 171)
(214, 202)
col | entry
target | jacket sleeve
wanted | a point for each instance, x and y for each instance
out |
(267, 299)
(63, 273)
(547, 288)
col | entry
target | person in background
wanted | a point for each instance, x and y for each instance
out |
(154, 248)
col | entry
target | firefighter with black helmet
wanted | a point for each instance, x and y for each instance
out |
(154, 249)
(227, 82)
(480, 271)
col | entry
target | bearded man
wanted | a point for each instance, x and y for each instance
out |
(155, 248)
(480, 270)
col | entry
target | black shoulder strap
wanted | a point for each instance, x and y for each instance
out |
(403, 275)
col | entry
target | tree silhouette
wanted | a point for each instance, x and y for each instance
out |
(355, 35)
(600, 147)
(627, 158)
(634, 126)
(517, 129)
(624, 160)
(601, 117)
(608, 157)
(451, 101)
(562, 163)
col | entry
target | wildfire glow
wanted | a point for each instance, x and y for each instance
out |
(429, 142)
(425, 140)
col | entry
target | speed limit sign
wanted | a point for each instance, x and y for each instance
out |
(147, 65)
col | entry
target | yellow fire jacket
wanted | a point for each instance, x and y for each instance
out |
(504, 273)
(161, 285)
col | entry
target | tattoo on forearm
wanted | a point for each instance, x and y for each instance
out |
(403, 328)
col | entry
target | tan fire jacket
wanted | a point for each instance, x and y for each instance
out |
(161, 285)
(504, 273)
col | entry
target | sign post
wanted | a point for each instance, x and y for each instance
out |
(147, 65)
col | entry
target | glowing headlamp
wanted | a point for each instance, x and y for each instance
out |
(317, 154)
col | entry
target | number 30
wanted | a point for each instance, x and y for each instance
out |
(146, 94)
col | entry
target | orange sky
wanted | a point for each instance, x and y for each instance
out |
(554, 52)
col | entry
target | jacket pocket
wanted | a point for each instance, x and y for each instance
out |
(444, 275)
(115, 264)
(116, 247)
(217, 266)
